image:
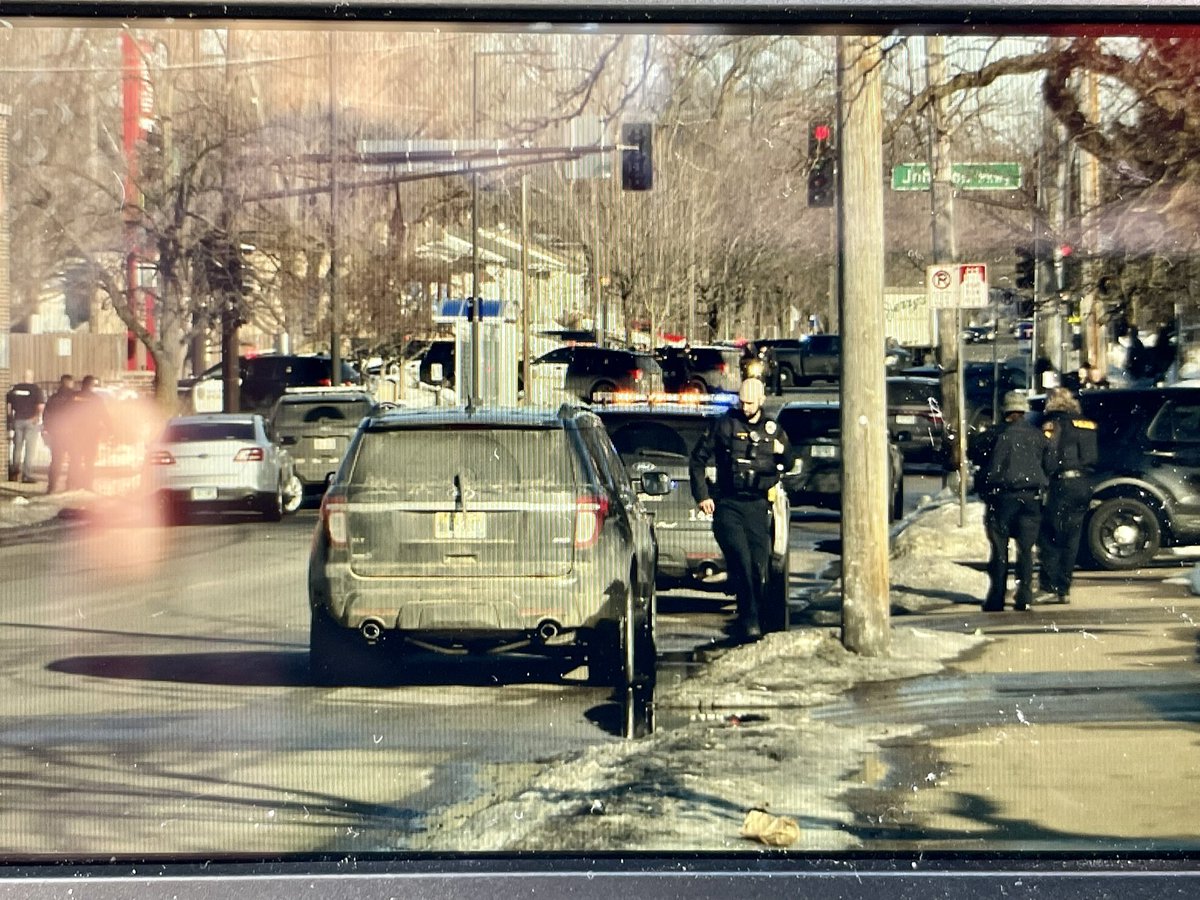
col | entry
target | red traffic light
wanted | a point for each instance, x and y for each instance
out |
(821, 132)
(1066, 250)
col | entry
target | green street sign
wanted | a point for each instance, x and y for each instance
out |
(1003, 176)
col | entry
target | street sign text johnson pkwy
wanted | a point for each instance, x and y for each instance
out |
(1001, 176)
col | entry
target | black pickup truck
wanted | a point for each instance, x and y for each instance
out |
(801, 361)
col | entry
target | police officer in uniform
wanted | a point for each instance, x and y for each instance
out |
(1018, 470)
(749, 451)
(1073, 439)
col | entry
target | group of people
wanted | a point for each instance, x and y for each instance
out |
(71, 421)
(1036, 483)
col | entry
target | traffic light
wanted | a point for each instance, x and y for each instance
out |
(821, 164)
(1026, 266)
(1072, 268)
(637, 163)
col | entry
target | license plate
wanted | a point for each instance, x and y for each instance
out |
(824, 451)
(471, 526)
(324, 443)
(906, 420)
(204, 493)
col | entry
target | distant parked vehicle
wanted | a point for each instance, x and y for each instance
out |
(801, 361)
(263, 379)
(1022, 329)
(315, 425)
(700, 370)
(220, 462)
(979, 334)
(914, 414)
(815, 432)
(590, 373)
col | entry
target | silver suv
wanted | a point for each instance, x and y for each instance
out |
(482, 530)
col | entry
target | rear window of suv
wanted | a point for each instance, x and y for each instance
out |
(208, 431)
(802, 425)
(656, 438)
(419, 464)
(310, 412)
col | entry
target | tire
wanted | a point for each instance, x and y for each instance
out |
(333, 652)
(623, 654)
(775, 614)
(787, 378)
(601, 387)
(271, 505)
(293, 495)
(896, 509)
(1123, 533)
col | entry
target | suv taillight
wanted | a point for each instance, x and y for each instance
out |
(335, 520)
(590, 513)
(249, 454)
(160, 458)
(635, 374)
(721, 367)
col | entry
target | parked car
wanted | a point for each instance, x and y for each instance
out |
(315, 426)
(1145, 496)
(590, 372)
(484, 530)
(914, 416)
(700, 370)
(979, 334)
(983, 389)
(263, 380)
(660, 436)
(219, 462)
(815, 432)
(1022, 329)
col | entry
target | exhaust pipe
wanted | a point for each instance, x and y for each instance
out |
(371, 629)
(548, 629)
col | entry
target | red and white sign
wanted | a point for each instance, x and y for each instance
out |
(957, 285)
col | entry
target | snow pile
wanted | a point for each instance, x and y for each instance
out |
(931, 558)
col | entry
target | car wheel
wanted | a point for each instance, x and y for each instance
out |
(694, 386)
(271, 505)
(787, 378)
(293, 495)
(601, 387)
(776, 614)
(1123, 533)
(334, 653)
(622, 654)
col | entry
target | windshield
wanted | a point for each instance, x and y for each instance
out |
(451, 619)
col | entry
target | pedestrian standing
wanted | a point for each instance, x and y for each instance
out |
(23, 411)
(88, 424)
(1018, 471)
(1073, 441)
(749, 451)
(56, 430)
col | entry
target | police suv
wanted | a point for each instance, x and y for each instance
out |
(658, 432)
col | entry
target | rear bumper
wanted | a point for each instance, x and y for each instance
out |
(464, 606)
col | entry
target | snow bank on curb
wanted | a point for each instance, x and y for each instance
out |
(929, 556)
(688, 788)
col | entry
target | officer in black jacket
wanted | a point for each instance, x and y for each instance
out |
(1018, 471)
(1073, 439)
(749, 451)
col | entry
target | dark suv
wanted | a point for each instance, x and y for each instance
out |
(801, 361)
(661, 436)
(700, 370)
(315, 425)
(485, 530)
(814, 430)
(1147, 485)
(592, 371)
(264, 379)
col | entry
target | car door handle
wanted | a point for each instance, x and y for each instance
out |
(1165, 454)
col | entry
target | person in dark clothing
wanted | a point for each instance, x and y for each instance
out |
(1073, 441)
(88, 423)
(56, 429)
(23, 405)
(748, 451)
(1018, 471)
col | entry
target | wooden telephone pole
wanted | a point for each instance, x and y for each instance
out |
(866, 626)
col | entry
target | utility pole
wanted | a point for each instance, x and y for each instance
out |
(335, 338)
(941, 186)
(866, 625)
(526, 362)
(1090, 309)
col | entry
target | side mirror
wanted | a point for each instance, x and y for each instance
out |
(656, 483)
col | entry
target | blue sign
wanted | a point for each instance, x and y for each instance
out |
(460, 308)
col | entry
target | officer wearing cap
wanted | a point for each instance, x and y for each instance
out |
(748, 451)
(1072, 437)
(1018, 470)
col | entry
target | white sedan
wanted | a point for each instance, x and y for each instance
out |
(221, 462)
